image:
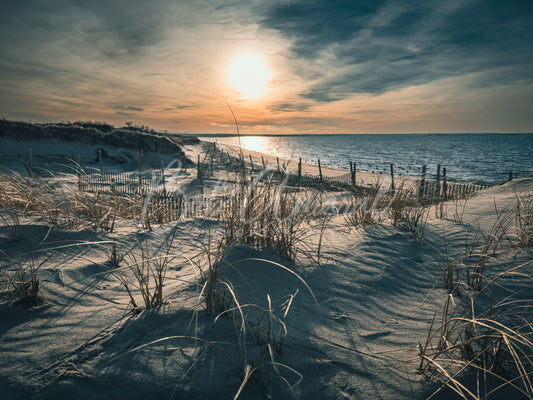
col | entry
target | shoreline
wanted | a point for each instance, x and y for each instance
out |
(15, 153)
(467, 159)
(313, 169)
(345, 284)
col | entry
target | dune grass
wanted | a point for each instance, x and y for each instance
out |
(142, 269)
(484, 338)
(524, 219)
(479, 329)
(270, 215)
(20, 280)
(259, 331)
(58, 201)
(483, 341)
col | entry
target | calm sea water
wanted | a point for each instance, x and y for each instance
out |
(481, 158)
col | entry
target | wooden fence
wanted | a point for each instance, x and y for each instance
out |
(171, 205)
(120, 182)
(438, 188)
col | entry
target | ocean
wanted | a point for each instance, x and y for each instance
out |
(476, 158)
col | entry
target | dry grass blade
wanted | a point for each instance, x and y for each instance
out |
(493, 339)
(451, 382)
(247, 374)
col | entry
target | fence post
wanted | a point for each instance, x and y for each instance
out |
(510, 172)
(100, 161)
(79, 173)
(251, 162)
(392, 177)
(243, 167)
(422, 184)
(277, 160)
(263, 159)
(442, 193)
(299, 170)
(354, 176)
(439, 210)
(320, 170)
(444, 185)
(199, 175)
(163, 174)
(29, 166)
(438, 186)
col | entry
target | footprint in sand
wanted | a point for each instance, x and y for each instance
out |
(375, 335)
(340, 317)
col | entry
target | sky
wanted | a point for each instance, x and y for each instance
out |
(334, 66)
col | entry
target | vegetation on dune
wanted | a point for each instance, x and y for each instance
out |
(482, 331)
(132, 136)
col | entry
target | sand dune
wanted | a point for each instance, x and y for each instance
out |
(345, 323)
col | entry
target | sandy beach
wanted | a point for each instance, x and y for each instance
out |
(388, 300)
(291, 165)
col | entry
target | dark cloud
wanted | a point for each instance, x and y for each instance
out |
(127, 108)
(121, 29)
(290, 107)
(394, 44)
(181, 107)
(319, 22)
(130, 56)
(115, 29)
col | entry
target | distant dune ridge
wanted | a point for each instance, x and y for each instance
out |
(132, 136)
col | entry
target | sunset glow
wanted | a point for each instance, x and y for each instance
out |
(286, 67)
(249, 75)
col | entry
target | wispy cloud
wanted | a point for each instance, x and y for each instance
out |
(126, 108)
(336, 64)
(393, 44)
(289, 107)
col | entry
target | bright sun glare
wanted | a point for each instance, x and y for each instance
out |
(249, 75)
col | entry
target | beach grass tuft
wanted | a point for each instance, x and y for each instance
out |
(21, 281)
(481, 337)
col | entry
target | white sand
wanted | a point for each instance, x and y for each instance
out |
(313, 169)
(353, 335)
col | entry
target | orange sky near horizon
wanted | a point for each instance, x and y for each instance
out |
(324, 67)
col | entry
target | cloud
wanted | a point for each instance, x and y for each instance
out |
(126, 108)
(222, 125)
(378, 46)
(184, 107)
(289, 107)
(167, 58)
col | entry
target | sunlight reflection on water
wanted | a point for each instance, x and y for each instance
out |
(270, 145)
(486, 158)
(256, 143)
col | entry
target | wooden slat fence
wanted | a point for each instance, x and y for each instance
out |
(169, 205)
(119, 182)
(429, 190)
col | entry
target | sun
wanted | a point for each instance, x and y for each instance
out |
(249, 75)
